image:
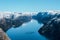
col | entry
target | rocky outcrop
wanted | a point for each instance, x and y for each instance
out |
(51, 30)
(3, 35)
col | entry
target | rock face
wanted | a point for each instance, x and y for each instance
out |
(51, 30)
(3, 36)
(8, 20)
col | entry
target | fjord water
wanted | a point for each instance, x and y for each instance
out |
(28, 31)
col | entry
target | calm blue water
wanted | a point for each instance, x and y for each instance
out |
(28, 31)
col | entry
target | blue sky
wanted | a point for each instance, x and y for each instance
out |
(29, 5)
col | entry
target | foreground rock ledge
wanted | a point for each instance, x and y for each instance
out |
(3, 35)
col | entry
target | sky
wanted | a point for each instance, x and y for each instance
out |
(29, 5)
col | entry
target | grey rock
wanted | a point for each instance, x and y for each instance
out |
(51, 30)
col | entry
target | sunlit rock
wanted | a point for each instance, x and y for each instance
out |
(3, 35)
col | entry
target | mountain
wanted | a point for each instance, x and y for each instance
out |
(8, 20)
(51, 29)
(49, 19)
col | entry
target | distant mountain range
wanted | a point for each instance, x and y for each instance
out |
(50, 19)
